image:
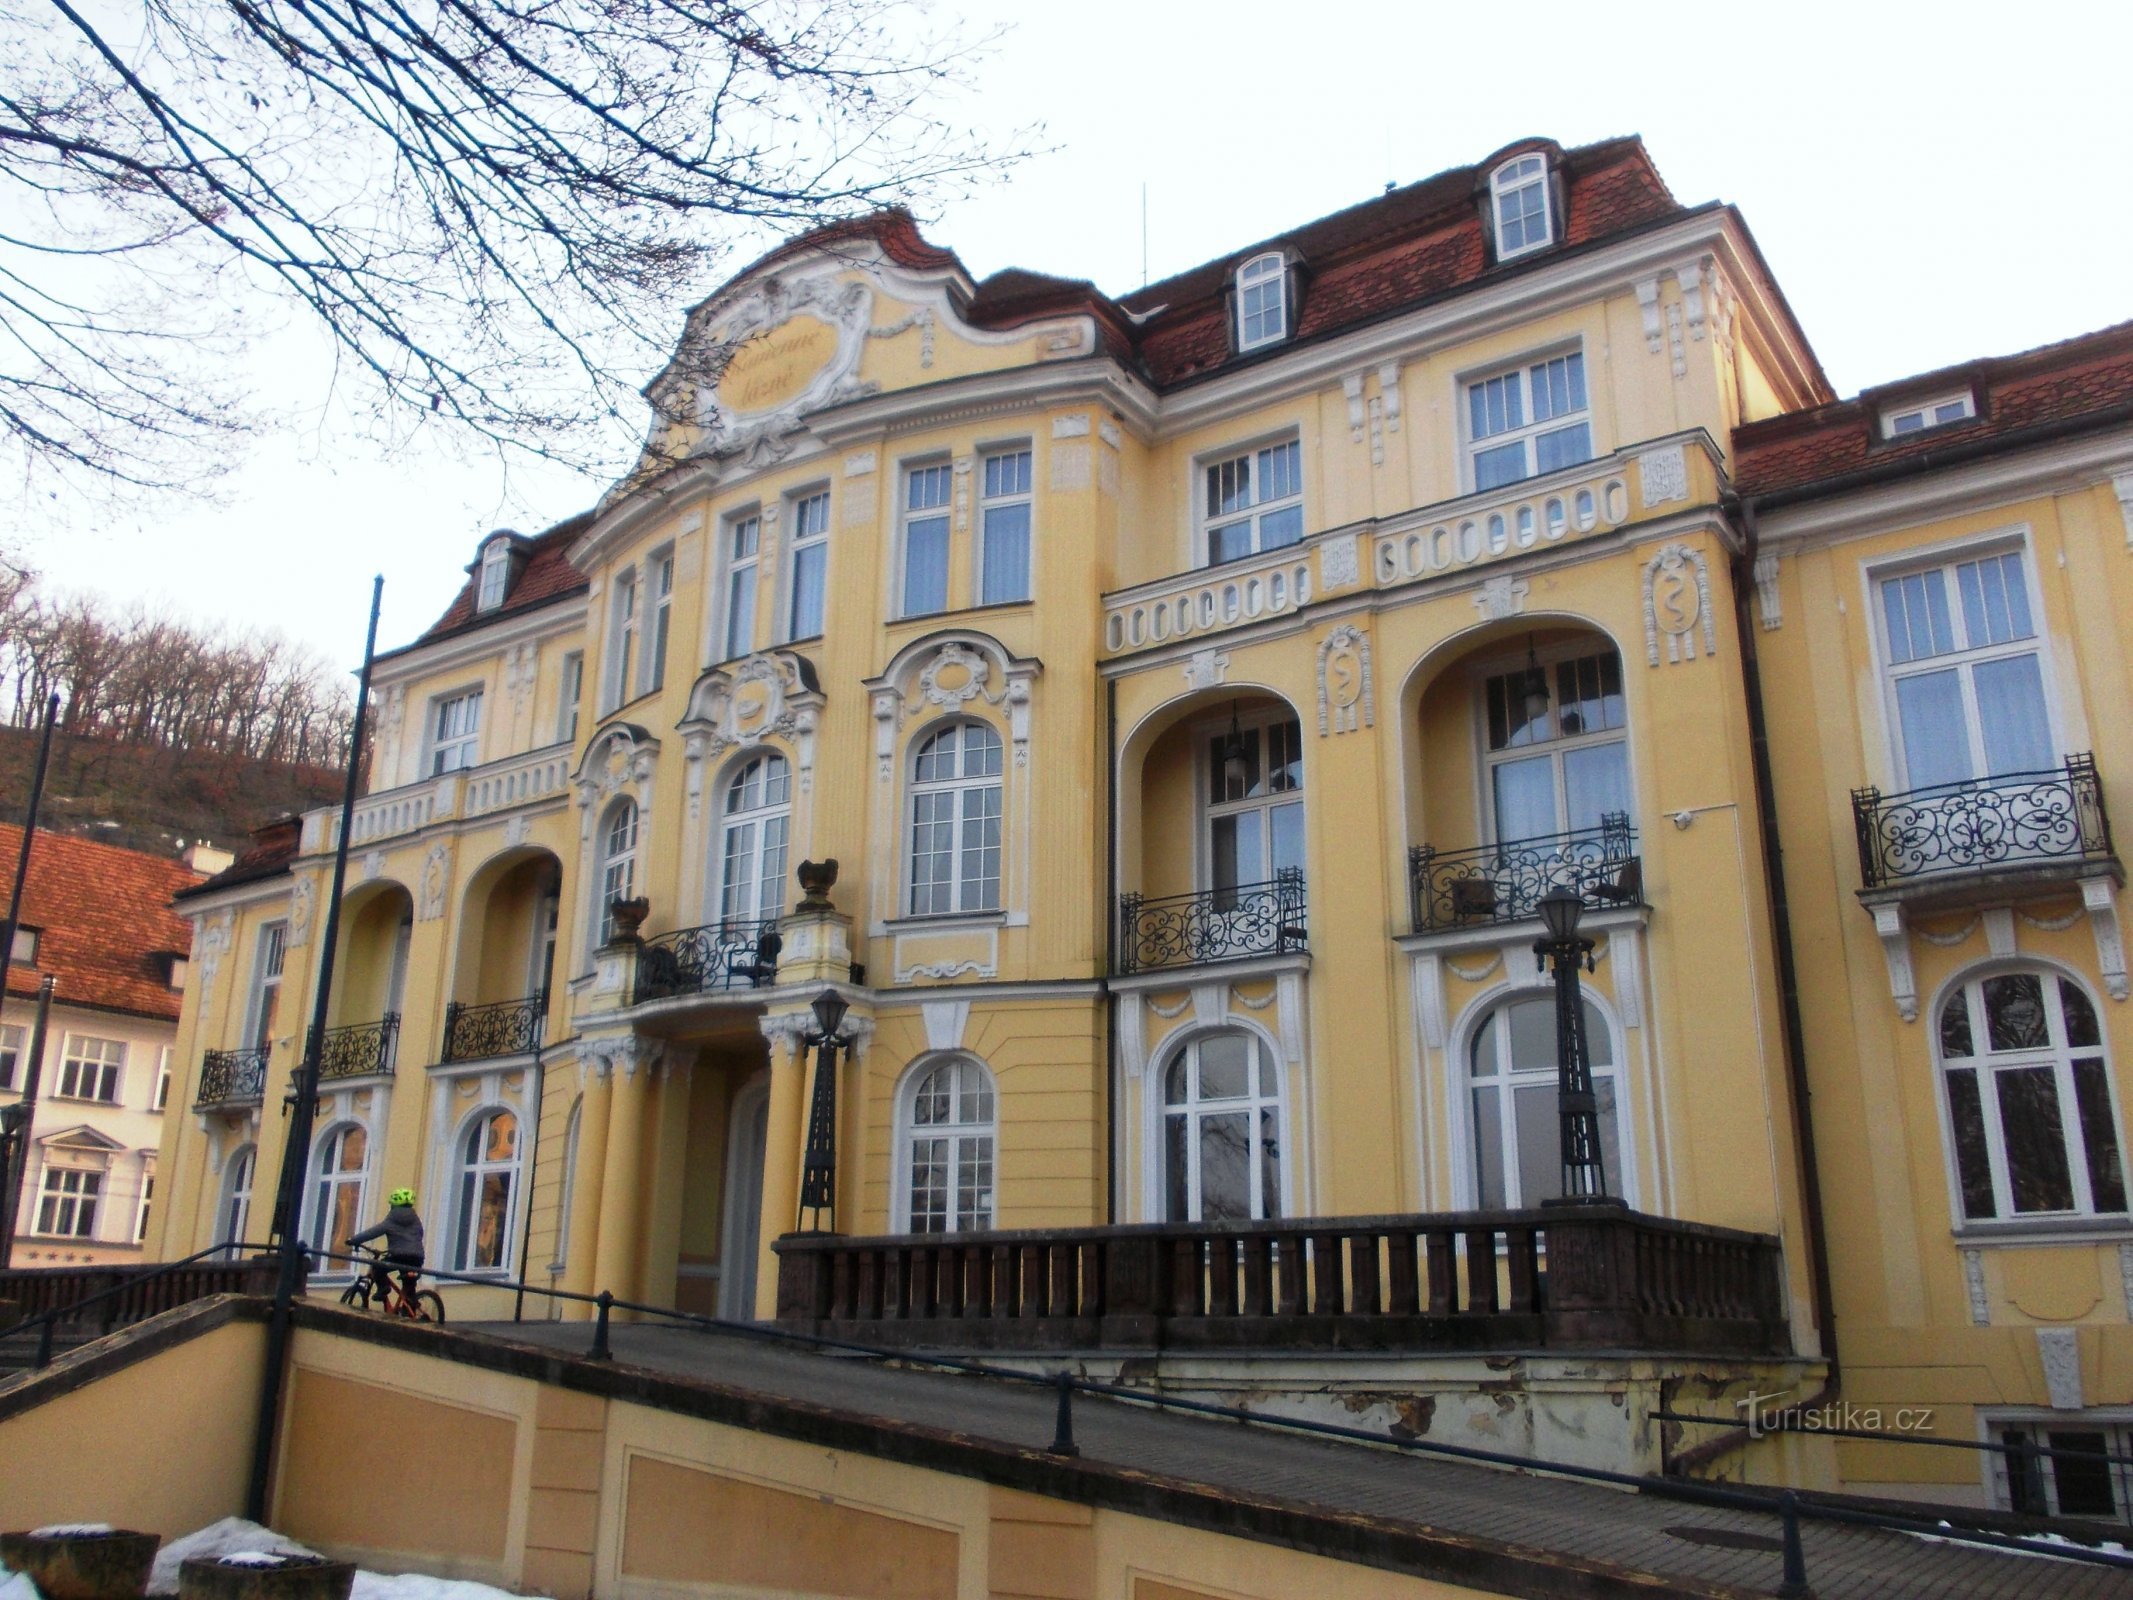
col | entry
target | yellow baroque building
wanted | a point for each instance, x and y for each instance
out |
(1197, 692)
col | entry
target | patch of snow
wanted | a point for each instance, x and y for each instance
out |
(71, 1530)
(2109, 1547)
(17, 1586)
(416, 1586)
(252, 1558)
(230, 1536)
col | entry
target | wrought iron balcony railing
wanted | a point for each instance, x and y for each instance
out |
(233, 1077)
(1182, 930)
(719, 955)
(1505, 882)
(504, 1028)
(2017, 819)
(360, 1050)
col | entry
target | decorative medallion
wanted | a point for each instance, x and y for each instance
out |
(1346, 696)
(1677, 597)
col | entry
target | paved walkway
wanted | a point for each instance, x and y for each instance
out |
(1644, 1533)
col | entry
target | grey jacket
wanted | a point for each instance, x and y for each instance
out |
(401, 1230)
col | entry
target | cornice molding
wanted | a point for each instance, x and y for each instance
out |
(420, 660)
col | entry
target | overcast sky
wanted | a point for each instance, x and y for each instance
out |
(1928, 185)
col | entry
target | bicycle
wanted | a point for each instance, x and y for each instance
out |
(402, 1298)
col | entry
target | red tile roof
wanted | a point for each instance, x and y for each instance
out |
(104, 916)
(2085, 381)
(274, 845)
(546, 575)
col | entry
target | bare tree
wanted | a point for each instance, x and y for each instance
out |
(495, 209)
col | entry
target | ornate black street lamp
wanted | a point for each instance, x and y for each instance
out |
(1584, 1168)
(818, 1170)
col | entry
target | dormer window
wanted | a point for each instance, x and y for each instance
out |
(1262, 301)
(495, 575)
(1938, 412)
(1518, 194)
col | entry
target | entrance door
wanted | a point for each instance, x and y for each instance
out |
(743, 1240)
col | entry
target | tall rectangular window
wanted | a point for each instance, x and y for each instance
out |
(11, 1070)
(162, 1099)
(810, 565)
(455, 732)
(926, 494)
(1003, 534)
(744, 540)
(622, 655)
(1254, 502)
(1527, 421)
(66, 1203)
(662, 613)
(266, 984)
(495, 576)
(92, 1069)
(568, 694)
(140, 1215)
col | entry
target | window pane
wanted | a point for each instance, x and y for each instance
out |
(2078, 1015)
(2014, 1012)
(740, 612)
(1995, 599)
(1281, 471)
(1525, 799)
(1230, 542)
(925, 565)
(1238, 850)
(1225, 1067)
(1563, 447)
(1916, 608)
(1006, 554)
(1225, 1167)
(1280, 528)
(2037, 1170)
(1506, 463)
(2099, 1136)
(2081, 1488)
(1269, 1162)
(1177, 1178)
(1966, 1116)
(1488, 1145)
(1540, 1143)
(808, 565)
(1936, 746)
(1287, 827)
(1955, 1026)
(1532, 1027)
(2010, 707)
(1596, 782)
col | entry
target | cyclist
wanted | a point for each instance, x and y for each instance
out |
(402, 1232)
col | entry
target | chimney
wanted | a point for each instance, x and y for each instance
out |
(206, 860)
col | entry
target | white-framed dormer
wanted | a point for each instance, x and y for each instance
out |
(1906, 417)
(1263, 300)
(1248, 498)
(492, 582)
(1522, 208)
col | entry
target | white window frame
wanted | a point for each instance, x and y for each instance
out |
(460, 748)
(1557, 745)
(1492, 1011)
(27, 942)
(1256, 722)
(466, 1176)
(14, 1046)
(659, 580)
(570, 690)
(162, 1099)
(617, 875)
(926, 500)
(1965, 657)
(1264, 1058)
(623, 610)
(1529, 431)
(494, 582)
(1255, 279)
(1986, 1063)
(77, 1201)
(1256, 512)
(797, 545)
(142, 1202)
(233, 1201)
(740, 573)
(1512, 181)
(962, 791)
(547, 926)
(1927, 414)
(1021, 497)
(967, 1142)
(104, 1076)
(322, 1189)
(757, 821)
(270, 954)
(2115, 1423)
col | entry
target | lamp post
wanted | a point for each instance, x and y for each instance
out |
(818, 1169)
(1563, 948)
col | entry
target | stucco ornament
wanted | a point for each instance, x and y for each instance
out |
(952, 674)
(1677, 598)
(301, 899)
(1205, 669)
(773, 695)
(1347, 698)
(1666, 475)
(621, 756)
(436, 873)
(954, 677)
(211, 938)
(1338, 563)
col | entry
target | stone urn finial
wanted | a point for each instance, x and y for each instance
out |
(82, 1561)
(628, 916)
(817, 878)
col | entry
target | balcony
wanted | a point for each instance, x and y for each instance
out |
(2052, 820)
(1601, 1278)
(1184, 930)
(230, 1078)
(718, 957)
(1505, 882)
(359, 1050)
(502, 1028)
(496, 786)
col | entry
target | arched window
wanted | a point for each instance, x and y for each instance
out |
(487, 1175)
(337, 1190)
(1262, 301)
(752, 839)
(1519, 192)
(2029, 1099)
(1512, 1076)
(955, 821)
(495, 574)
(234, 1214)
(950, 1153)
(618, 865)
(1221, 1131)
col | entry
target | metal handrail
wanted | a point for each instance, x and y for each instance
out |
(730, 954)
(1226, 924)
(1504, 882)
(360, 1049)
(47, 1321)
(1781, 1424)
(233, 1077)
(496, 1028)
(1788, 1505)
(2011, 819)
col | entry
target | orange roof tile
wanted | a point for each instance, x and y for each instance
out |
(104, 916)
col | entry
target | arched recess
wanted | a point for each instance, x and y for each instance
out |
(370, 980)
(508, 928)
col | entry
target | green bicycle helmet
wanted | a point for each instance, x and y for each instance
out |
(403, 1197)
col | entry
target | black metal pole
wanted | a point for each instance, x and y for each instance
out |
(296, 1153)
(1584, 1165)
(818, 1169)
(20, 1120)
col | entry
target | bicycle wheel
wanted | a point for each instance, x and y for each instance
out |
(356, 1297)
(429, 1306)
